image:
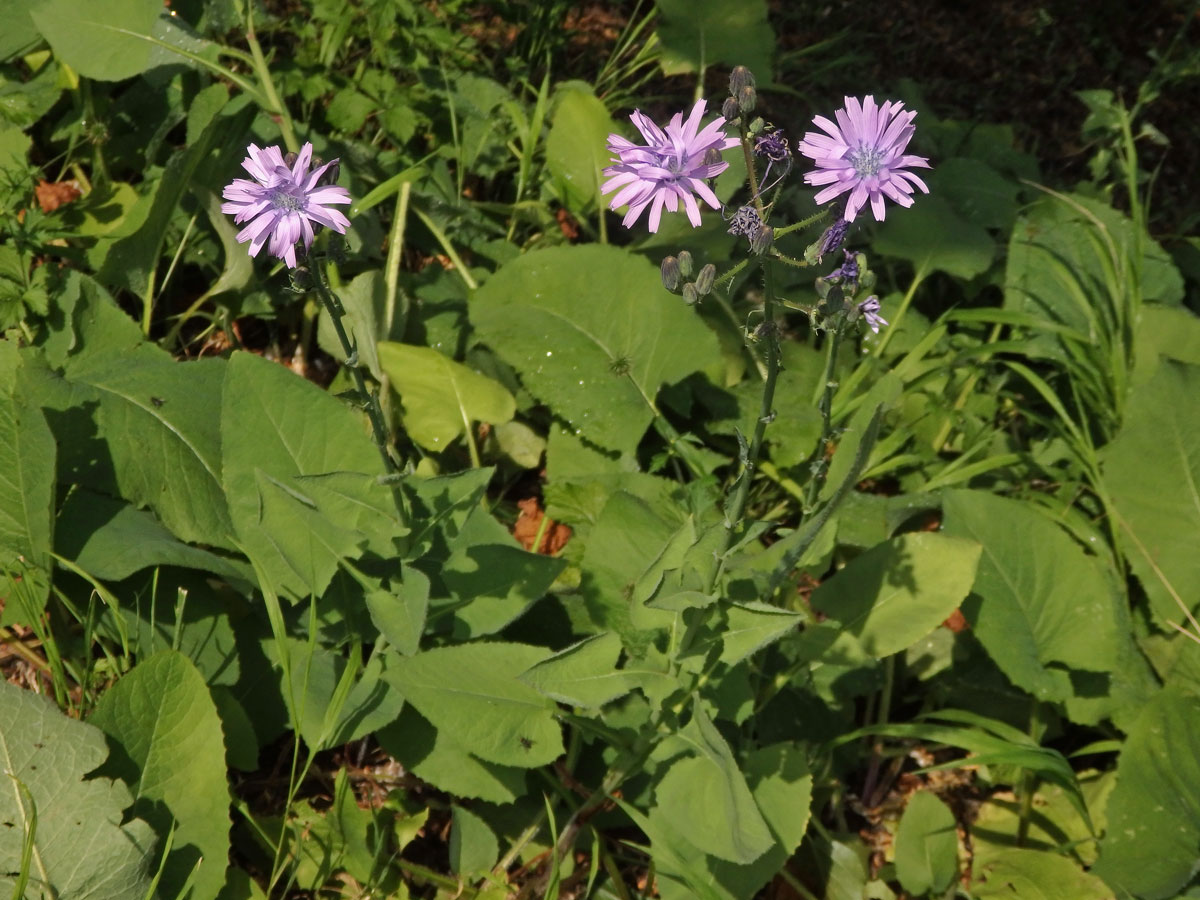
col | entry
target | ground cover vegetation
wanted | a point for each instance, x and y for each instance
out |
(683, 450)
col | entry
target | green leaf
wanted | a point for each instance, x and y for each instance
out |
(594, 335)
(81, 848)
(705, 798)
(1045, 611)
(897, 592)
(1034, 875)
(300, 472)
(111, 540)
(961, 248)
(473, 846)
(157, 419)
(1153, 838)
(1152, 472)
(109, 40)
(703, 33)
(576, 146)
(436, 758)
(472, 691)
(926, 845)
(132, 258)
(14, 153)
(441, 397)
(27, 463)
(164, 720)
(399, 613)
(20, 34)
(585, 674)
(751, 626)
(363, 300)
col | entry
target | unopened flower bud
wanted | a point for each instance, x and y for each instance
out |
(301, 280)
(730, 109)
(757, 125)
(763, 240)
(740, 78)
(685, 264)
(704, 281)
(289, 159)
(712, 157)
(833, 237)
(670, 273)
(690, 294)
(332, 173)
(747, 98)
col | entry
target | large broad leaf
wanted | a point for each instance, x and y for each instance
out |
(1034, 875)
(1048, 614)
(300, 472)
(926, 845)
(163, 718)
(585, 674)
(441, 397)
(576, 146)
(111, 40)
(700, 34)
(473, 692)
(593, 335)
(1152, 472)
(781, 785)
(111, 540)
(130, 420)
(932, 236)
(27, 456)
(897, 592)
(705, 798)
(81, 849)
(437, 758)
(1153, 839)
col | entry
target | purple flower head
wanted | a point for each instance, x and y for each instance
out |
(863, 153)
(746, 221)
(668, 168)
(282, 202)
(773, 145)
(833, 238)
(847, 271)
(869, 310)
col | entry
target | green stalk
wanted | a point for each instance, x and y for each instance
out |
(369, 399)
(268, 84)
(828, 387)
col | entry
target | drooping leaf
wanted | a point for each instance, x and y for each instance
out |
(1152, 472)
(593, 335)
(926, 845)
(80, 846)
(164, 720)
(1153, 839)
(472, 691)
(897, 592)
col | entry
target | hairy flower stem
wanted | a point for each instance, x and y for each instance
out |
(828, 388)
(369, 399)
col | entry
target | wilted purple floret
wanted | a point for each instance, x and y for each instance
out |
(282, 202)
(869, 310)
(668, 168)
(863, 153)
